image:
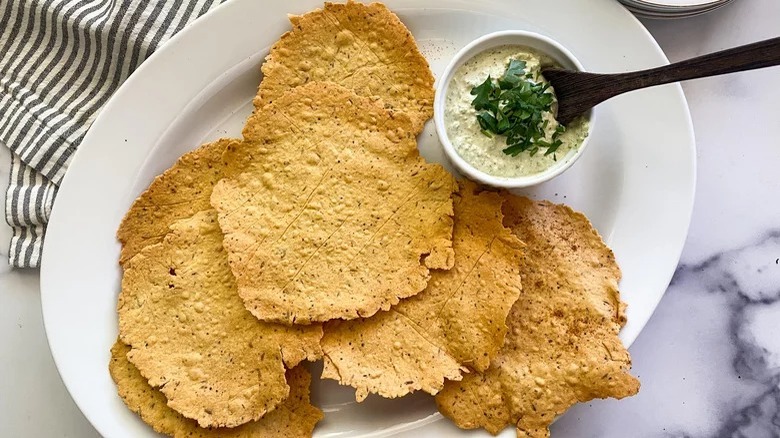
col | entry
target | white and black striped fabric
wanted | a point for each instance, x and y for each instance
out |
(60, 61)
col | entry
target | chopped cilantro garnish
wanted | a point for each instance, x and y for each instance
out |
(514, 106)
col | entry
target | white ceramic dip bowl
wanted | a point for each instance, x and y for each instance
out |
(532, 40)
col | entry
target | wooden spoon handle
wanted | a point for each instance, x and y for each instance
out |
(578, 92)
(752, 56)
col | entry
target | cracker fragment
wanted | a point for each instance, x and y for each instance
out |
(294, 418)
(364, 47)
(180, 192)
(191, 336)
(458, 321)
(337, 215)
(563, 345)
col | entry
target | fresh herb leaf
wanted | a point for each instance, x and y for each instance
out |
(505, 85)
(553, 147)
(487, 122)
(514, 72)
(483, 93)
(514, 106)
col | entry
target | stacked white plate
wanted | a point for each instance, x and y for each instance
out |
(672, 8)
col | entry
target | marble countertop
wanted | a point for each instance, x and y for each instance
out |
(709, 359)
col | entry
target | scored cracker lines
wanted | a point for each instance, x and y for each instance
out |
(254, 247)
(165, 204)
(414, 325)
(468, 275)
(292, 122)
(305, 204)
(366, 48)
(370, 239)
(313, 253)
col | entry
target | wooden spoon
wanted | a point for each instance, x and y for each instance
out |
(578, 92)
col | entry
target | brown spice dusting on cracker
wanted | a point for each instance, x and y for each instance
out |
(364, 47)
(294, 418)
(191, 336)
(563, 345)
(337, 216)
(458, 321)
(178, 193)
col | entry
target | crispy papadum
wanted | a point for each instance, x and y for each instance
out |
(563, 345)
(178, 193)
(337, 216)
(458, 321)
(364, 47)
(294, 418)
(372, 53)
(191, 336)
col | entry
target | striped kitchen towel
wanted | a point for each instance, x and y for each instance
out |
(60, 61)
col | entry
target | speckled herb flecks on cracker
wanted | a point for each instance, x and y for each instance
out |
(457, 323)
(191, 336)
(563, 345)
(178, 193)
(363, 47)
(294, 418)
(338, 216)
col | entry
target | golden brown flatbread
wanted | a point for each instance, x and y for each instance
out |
(178, 193)
(294, 418)
(563, 345)
(363, 47)
(191, 336)
(338, 216)
(458, 321)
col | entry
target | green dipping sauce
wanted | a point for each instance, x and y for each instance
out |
(484, 149)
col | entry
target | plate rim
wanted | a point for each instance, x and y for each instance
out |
(674, 7)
